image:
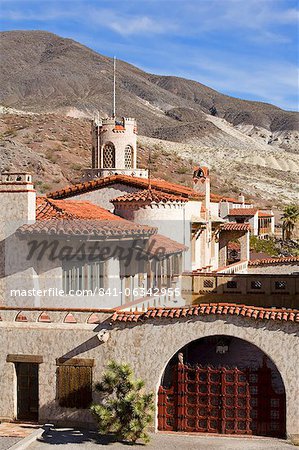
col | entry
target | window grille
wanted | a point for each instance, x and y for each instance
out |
(232, 284)
(208, 283)
(128, 157)
(109, 156)
(280, 284)
(256, 285)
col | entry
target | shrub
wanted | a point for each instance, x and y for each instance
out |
(76, 167)
(264, 245)
(125, 410)
(181, 170)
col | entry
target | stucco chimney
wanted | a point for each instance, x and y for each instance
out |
(241, 199)
(201, 184)
(17, 201)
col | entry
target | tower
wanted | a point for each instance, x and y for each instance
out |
(114, 149)
(114, 145)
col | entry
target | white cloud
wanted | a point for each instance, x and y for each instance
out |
(128, 24)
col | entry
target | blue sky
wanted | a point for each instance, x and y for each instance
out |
(243, 48)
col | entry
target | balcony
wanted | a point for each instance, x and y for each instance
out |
(251, 289)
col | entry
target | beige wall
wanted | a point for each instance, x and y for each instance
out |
(147, 347)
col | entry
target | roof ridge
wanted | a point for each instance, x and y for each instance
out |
(246, 311)
(148, 195)
(274, 259)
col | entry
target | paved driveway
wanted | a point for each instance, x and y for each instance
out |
(91, 441)
(7, 442)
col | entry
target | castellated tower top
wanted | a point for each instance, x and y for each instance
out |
(114, 148)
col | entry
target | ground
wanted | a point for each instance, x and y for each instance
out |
(7, 442)
(91, 441)
(11, 433)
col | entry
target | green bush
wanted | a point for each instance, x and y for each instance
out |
(125, 410)
(264, 245)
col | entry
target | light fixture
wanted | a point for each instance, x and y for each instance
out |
(222, 346)
(103, 336)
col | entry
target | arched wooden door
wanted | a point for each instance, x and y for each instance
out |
(222, 400)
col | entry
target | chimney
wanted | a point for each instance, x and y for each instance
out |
(241, 199)
(201, 184)
(17, 201)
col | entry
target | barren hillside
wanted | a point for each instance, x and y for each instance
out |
(42, 72)
(58, 84)
(57, 148)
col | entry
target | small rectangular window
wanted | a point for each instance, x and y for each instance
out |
(280, 285)
(74, 386)
(232, 284)
(256, 285)
(208, 283)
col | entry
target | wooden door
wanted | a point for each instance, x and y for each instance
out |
(222, 400)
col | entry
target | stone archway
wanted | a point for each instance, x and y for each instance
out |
(222, 384)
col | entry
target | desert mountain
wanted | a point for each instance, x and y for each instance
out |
(250, 146)
(42, 72)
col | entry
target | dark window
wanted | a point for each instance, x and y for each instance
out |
(232, 284)
(74, 386)
(280, 284)
(256, 285)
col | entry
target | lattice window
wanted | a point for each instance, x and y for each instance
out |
(256, 285)
(109, 156)
(232, 284)
(208, 283)
(128, 157)
(280, 284)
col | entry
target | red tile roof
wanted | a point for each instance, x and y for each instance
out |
(71, 209)
(233, 226)
(242, 211)
(272, 261)
(119, 128)
(141, 183)
(147, 197)
(217, 309)
(87, 227)
(162, 245)
(266, 214)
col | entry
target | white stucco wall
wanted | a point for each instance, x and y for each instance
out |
(44, 273)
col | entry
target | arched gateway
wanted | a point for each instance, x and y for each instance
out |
(222, 384)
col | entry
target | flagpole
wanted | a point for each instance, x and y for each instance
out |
(114, 67)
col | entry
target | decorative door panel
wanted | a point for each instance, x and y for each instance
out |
(222, 400)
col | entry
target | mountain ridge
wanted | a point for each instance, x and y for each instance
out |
(43, 72)
(47, 80)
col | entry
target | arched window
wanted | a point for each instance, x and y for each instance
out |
(109, 156)
(128, 157)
